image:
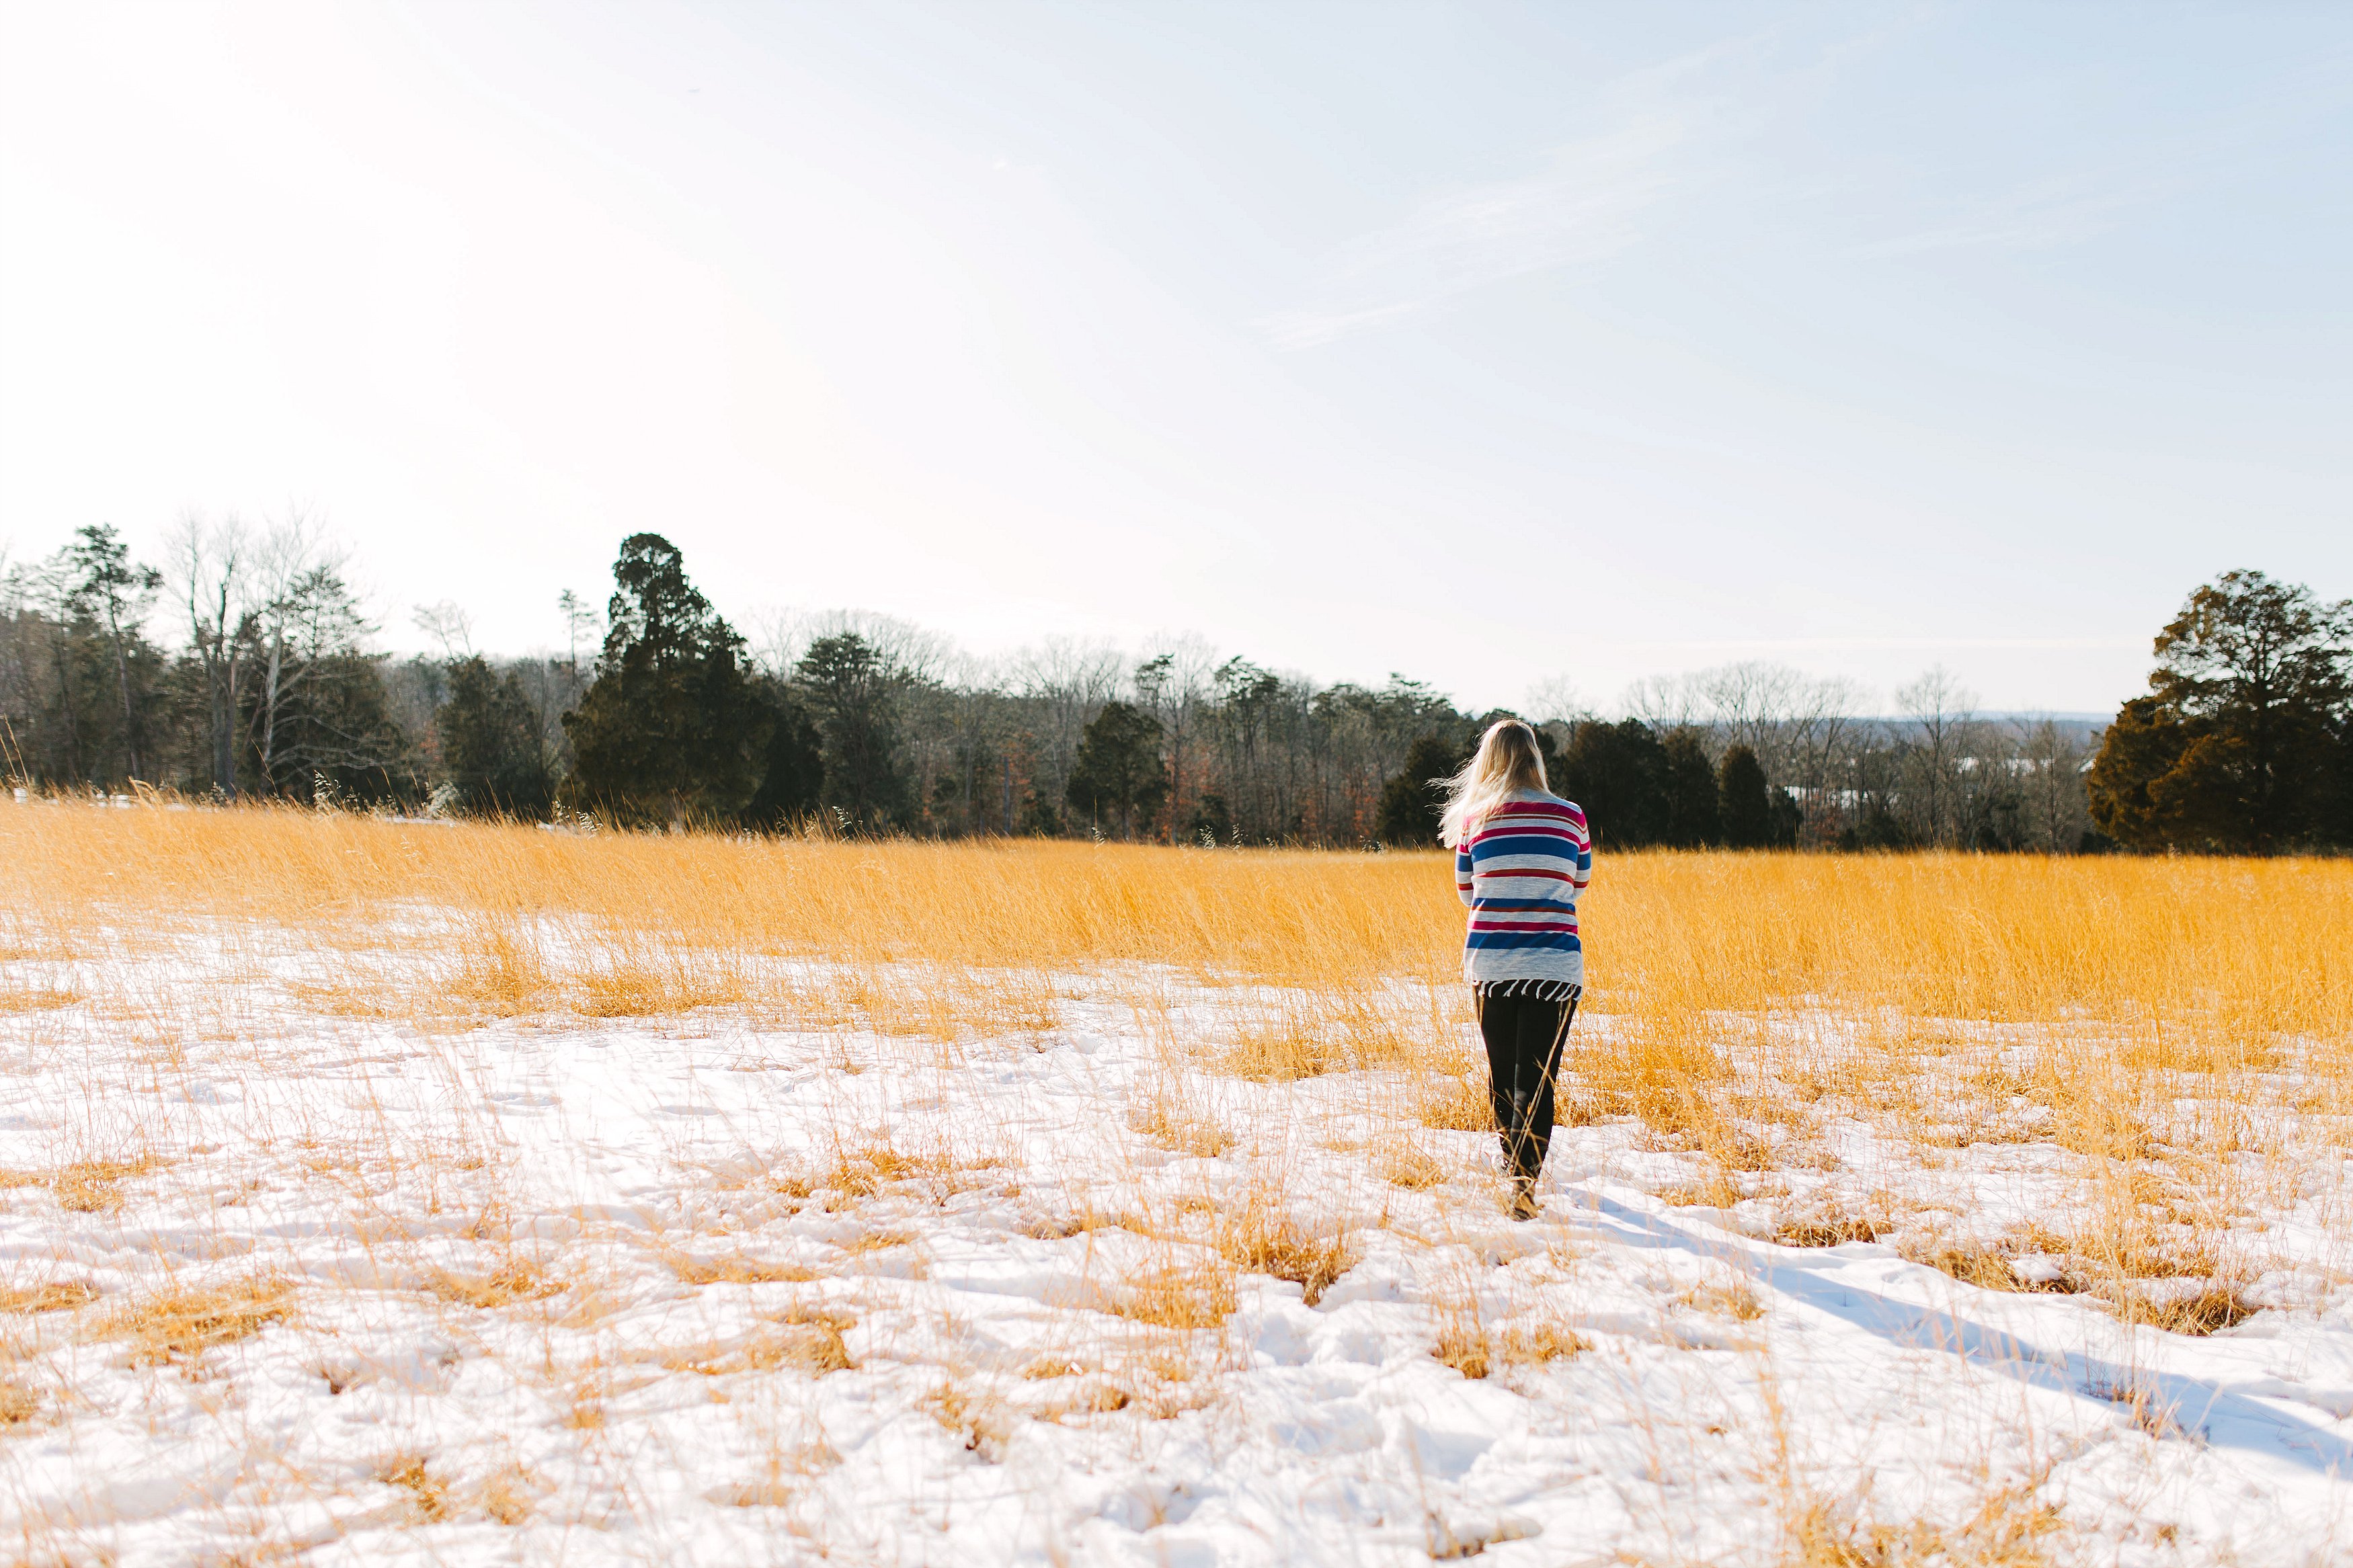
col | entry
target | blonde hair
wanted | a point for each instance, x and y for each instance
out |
(1508, 759)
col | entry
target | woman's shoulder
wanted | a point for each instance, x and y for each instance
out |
(1543, 797)
(1549, 804)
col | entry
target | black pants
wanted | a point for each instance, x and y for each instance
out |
(1524, 1028)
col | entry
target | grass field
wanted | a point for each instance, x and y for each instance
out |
(467, 1192)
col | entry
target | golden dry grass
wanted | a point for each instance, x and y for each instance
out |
(1738, 1000)
(177, 1325)
(2205, 965)
(57, 1296)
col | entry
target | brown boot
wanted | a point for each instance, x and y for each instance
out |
(1523, 1198)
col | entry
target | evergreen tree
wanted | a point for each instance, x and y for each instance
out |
(1689, 795)
(672, 728)
(1747, 806)
(2240, 743)
(116, 595)
(1411, 801)
(794, 777)
(853, 695)
(318, 719)
(1212, 822)
(1617, 773)
(490, 747)
(1119, 767)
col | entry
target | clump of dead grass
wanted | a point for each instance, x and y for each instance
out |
(427, 1498)
(85, 1186)
(879, 1166)
(16, 998)
(19, 1403)
(1456, 1103)
(979, 1420)
(1475, 1350)
(1177, 1297)
(1413, 1169)
(515, 1280)
(52, 1296)
(510, 1494)
(807, 1338)
(178, 1324)
(1826, 1230)
(2010, 1529)
(2207, 1309)
(1260, 1239)
(1181, 1131)
(1734, 1298)
(736, 1268)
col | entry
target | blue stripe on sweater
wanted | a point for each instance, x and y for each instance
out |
(1558, 941)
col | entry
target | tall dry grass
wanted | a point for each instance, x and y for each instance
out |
(1839, 970)
(2198, 964)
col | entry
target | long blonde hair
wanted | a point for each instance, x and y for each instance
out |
(1508, 759)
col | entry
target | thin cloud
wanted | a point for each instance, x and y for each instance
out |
(1583, 207)
(2039, 217)
(2074, 207)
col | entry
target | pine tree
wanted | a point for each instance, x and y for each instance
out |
(1688, 787)
(1119, 768)
(1410, 803)
(853, 695)
(2240, 743)
(489, 743)
(672, 728)
(793, 778)
(1617, 773)
(1747, 802)
(116, 595)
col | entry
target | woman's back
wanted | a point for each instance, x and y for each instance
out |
(1521, 869)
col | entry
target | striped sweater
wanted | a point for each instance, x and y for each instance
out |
(1521, 872)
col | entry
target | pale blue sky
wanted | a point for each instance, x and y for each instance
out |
(1488, 343)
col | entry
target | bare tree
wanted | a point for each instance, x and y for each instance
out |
(211, 573)
(448, 625)
(1666, 701)
(2052, 761)
(1173, 684)
(292, 558)
(1554, 700)
(1943, 716)
(1068, 682)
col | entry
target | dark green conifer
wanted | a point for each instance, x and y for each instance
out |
(1618, 773)
(853, 695)
(1747, 806)
(1406, 813)
(491, 746)
(1690, 797)
(673, 730)
(1118, 771)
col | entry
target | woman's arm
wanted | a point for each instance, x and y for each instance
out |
(1582, 877)
(1462, 871)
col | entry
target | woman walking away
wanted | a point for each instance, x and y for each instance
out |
(1521, 856)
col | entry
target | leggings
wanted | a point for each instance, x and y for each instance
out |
(1523, 1029)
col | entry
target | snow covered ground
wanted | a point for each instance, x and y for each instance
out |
(297, 1282)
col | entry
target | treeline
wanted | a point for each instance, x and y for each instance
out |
(242, 668)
